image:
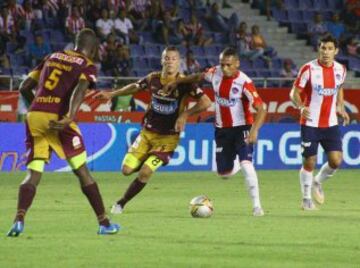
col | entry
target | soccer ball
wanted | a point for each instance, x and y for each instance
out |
(201, 207)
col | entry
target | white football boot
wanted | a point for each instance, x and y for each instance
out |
(116, 209)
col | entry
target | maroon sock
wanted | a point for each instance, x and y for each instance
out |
(93, 195)
(26, 195)
(134, 188)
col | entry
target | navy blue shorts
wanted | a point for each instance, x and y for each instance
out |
(230, 142)
(329, 138)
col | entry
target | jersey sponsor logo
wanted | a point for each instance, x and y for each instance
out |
(338, 77)
(48, 99)
(325, 91)
(76, 142)
(67, 58)
(219, 149)
(162, 108)
(235, 90)
(306, 144)
(226, 102)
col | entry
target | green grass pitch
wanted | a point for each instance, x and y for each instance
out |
(158, 231)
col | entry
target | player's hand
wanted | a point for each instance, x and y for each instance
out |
(345, 116)
(180, 123)
(168, 88)
(103, 95)
(252, 138)
(59, 125)
(305, 112)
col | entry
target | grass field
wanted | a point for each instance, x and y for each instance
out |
(158, 231)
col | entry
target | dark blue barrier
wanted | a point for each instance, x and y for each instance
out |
(278, 147)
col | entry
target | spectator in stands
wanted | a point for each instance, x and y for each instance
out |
(46, 11)
(353, 47)
(259, 46)
(125, 29)
(265, 6)
(29, 16)
(218, 22)
(104, 25)
(74, 23)
(169, 30)
(156, 13)
(117, 5)
(242, 41)
(336, 28)
(4, 59)
(191, 65)
(38, 50)
(122, 63)
(194, 33)
(316, 29)
(288, 71)
(107, 51)
(17, 13)
(139, 11)
(94, 13)
(351, 16)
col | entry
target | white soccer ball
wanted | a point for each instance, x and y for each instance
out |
(201, 207)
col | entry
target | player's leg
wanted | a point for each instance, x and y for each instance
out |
(151, 152)
(309, 146)
(91, 190)
(38, 152)
(71, 142)
(245, 153)
(332, 144)
(136, 186)
(225, 153)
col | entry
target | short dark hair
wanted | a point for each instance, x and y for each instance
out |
(230, 51)
(329, 38)
(86, 38)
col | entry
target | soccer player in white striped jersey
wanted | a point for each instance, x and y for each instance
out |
(318, 94)
(235, 128)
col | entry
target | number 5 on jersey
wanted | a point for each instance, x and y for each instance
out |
(53, 79)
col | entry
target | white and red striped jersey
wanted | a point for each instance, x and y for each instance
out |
(319, 87)
(74, 25)
(233, 98)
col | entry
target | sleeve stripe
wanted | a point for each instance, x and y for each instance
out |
(34, 75)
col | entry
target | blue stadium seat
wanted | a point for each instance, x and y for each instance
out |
(277, 63)
(155, 63)
(291, 4)
(10, 47)
(306, 4)
(136, 50)
(140, 63)
(298, 27)
(20, 70)
(17, 60)
(259, 64)
(320, 5)
(185, 14)
(219, 38)
(211, 52)
(5, 71)
(57, 36)
(308, 15)
(295, 15)
(152, 51)
(198, 52)
(58, 46)
(280, 15)
(335, 4)
(246, 64)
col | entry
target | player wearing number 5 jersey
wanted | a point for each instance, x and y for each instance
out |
(318, 94)
(164, 119)
(60, 82)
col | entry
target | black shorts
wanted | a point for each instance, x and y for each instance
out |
(329, 138)
(230, 142)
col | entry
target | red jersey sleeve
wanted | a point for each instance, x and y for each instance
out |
(251, 94)
(303, 77)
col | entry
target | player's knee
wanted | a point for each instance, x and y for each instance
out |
(309, 164)
(126, 171)
(335, 163)
(145, 174)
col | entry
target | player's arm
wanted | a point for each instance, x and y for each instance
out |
(126, 90)
(75, 101)
(188, 79)
(201, 105)
(258, 122)
(26, 89)
(297, 101)
(340, 107)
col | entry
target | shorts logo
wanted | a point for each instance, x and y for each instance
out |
(219, 149)
(76, 142)
(306, 144)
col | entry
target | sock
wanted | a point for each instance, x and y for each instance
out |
(93, 195)
(134, 188)
(324, 173)
(26, 195)
(251, 180)
(306, 178)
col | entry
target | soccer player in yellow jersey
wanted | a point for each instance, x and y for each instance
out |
(60, 80)
(164, 119)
